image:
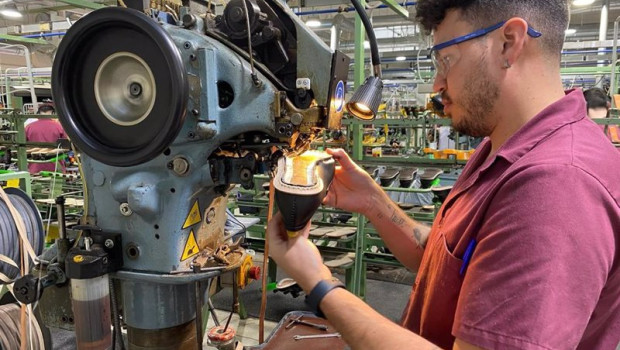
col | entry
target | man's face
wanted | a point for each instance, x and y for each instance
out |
(468, 90)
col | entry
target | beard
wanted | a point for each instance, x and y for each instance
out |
(478, 99)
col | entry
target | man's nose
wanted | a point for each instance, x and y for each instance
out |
(439, 84)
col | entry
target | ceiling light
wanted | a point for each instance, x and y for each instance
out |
(10, 10)
(583, 2)
(570, 31)
(313, 23)
(401, 58)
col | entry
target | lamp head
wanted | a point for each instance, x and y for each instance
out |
(366, 100)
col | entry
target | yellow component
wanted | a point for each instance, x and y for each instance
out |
(450, 153)
(439, 155)
(292, 234)
(193, 217)
(12, 183)
(428, 150)
(78, 259)
(191, 247)
(242, 277)
(44, 27)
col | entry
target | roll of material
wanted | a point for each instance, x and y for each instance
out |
(9, 236)
(10, 330)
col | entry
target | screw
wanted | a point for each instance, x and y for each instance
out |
(192, 57)
(296, 118)
(125, 209)
(191, 135)
(180, 165)
(195, 111)
(109, 243)
(187, 45)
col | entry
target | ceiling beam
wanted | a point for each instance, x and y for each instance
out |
(19, 39)
(49, 9)
(83, 4)
(396, 7)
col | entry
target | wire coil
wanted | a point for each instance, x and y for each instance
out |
(9, 329)
(9, 237)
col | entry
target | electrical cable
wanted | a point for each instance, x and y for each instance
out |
(247, 23)
(117, 335)
(372, 39)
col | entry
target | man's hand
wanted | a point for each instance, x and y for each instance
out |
(297, 256)
(352, 188)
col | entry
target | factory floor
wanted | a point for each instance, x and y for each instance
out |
(383, 284)
(246, 330)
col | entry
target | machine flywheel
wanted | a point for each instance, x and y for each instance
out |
(120, 86)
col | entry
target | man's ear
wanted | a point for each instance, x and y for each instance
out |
(514, 36)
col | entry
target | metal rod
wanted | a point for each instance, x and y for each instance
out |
(229, 318)
(60, 212)
(346, 9)
(198, 316)
(216, 321)
(263, 299)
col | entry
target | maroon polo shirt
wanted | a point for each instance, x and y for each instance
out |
(44, 130)
(545, 271)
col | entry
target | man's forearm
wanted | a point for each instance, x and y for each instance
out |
(405, 237)
(364, 328)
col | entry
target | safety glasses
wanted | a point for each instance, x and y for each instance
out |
(442, 64)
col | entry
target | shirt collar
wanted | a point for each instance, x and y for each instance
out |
(567, 110)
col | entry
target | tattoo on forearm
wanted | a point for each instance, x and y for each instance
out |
(417, 235)
(420, 237)
(397, 219)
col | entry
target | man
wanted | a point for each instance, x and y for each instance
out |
(598, 105)
(45, 130)
(524, 251)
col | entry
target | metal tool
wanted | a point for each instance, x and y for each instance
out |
(316, 336)
(298, 320)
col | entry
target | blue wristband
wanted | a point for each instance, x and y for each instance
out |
(319, 292)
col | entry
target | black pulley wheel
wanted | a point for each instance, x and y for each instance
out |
(119, 86)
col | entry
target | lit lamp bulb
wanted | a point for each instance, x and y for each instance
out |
(366, 100)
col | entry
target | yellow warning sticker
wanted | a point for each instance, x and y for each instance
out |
(78, 259)
(193, 217)
(191, 247)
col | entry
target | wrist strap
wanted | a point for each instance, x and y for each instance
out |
(319, 292)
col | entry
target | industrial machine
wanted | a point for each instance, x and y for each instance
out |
(168, 115)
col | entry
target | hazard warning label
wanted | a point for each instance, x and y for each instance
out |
(191, 247)
(193, 217)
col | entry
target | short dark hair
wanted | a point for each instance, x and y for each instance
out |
(596, 98)
(46, 108)
(550, 17)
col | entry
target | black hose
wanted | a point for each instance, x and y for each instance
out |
(9, 236)
(372, 39)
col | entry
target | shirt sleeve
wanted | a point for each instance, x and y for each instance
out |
(541, 261)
